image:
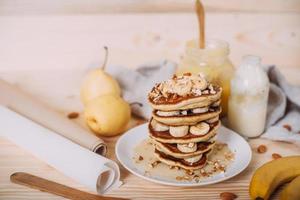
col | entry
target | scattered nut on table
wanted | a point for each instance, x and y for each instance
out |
(228, 196)
(73, 115)
(262, 149)
(287, 127)
(276, 156)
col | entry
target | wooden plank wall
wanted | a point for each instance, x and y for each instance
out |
(71, 34)
(9, 7)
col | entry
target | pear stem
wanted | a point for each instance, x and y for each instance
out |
(201, 21)
(105, 58)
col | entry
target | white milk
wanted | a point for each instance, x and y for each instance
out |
(248, 99)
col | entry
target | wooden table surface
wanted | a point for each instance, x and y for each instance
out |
(46, 55)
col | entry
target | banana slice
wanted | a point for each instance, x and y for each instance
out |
(200, 110)
(193, 159)
(200, 129)
(216, 104)
(182, 87)
(183, 112)
(167, 113)
(187, 148)
(158, 126)
(200, 82)
(212, 120)
(179, 131)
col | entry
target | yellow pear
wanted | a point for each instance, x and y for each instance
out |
(107, 115)
(97, 83)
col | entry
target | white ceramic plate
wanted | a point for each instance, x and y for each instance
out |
(129, 140)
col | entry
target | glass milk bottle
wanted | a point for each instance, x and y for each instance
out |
(213, 62)
(247, 107)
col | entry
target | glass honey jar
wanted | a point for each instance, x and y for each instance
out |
(213, 62)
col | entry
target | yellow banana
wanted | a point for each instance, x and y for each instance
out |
(272, 174)
(292, 190)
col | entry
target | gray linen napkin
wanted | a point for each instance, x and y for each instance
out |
(283, 109)
(283, 106)
(136, 84)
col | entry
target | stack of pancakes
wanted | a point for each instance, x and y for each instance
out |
(184, 120)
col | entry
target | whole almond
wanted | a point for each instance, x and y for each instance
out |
(287, 127)
(261, 149)
(228, 196)
(141, 158)
(73, 115)
(276, 156)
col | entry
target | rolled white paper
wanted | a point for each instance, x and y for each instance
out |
(26, 105)
(88, 168)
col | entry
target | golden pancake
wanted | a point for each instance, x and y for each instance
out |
(189, 119)
(172, 150)
(178, 162)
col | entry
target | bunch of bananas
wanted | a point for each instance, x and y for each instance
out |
(274, 173)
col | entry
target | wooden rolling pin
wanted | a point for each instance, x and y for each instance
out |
(26, 105)
(44, 185)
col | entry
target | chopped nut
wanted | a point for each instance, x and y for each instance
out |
(196, 176)
(155, 163)
(229, 156)
(141, 158)
(73, 115)
(189, 172)
(213, 92)
(197, 179)
(261, 149)
(184, 112)
(147, 173)
(188, 178)
(187, 74)
(276, 156)
(179, 178)
(287, 127)
(171, 167)
(228, 196)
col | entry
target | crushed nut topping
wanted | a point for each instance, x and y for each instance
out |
(184, 85)
(141, 158)
(154, 164)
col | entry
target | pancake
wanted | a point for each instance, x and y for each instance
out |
(189, 119)
(171, 161)
(187, 102)
(166, 137)
(172, 150)
(190, 111)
